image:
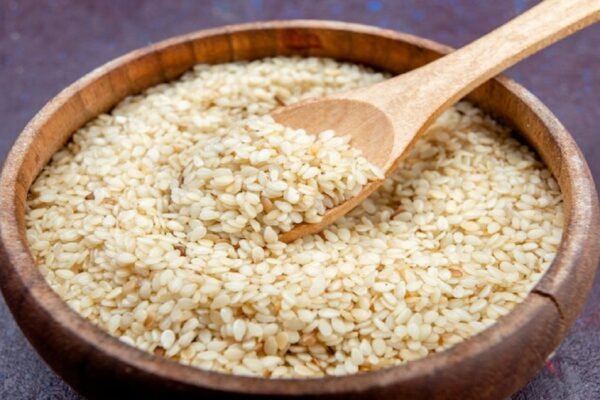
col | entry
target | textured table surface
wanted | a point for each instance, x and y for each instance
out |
(47, 44)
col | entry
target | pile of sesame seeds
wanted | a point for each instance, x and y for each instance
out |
(452, 241)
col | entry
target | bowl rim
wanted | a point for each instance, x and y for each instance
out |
(580, 232)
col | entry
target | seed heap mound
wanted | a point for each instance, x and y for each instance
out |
(261, 174)
(159, 223)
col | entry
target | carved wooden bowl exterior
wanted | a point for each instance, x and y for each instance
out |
(490, 365)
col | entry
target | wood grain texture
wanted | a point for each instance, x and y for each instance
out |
(386, 119)
(490, 365)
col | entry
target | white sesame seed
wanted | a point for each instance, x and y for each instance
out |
(357, 356)
(126, 258)
(325, 328)
(270, 346)
(379, 347)
(239, 329)
(167, 339)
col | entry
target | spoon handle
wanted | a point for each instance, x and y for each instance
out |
(439, 84)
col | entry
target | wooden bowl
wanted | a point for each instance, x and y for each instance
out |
(490, 365)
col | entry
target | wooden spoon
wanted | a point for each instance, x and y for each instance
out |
(385, 119)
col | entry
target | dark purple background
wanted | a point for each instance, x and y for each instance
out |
(46, 45)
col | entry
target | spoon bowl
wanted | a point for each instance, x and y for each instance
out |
(354, 117)
(347, 115)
